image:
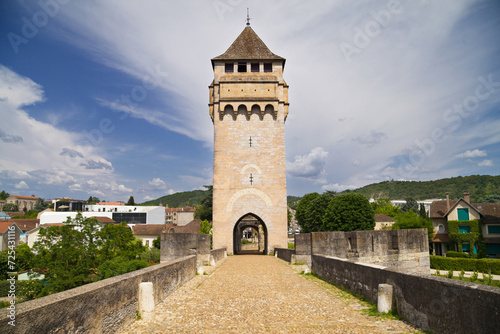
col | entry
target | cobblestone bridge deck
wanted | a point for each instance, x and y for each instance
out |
(261, 294)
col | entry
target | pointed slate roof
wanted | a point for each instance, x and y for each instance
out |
(248, 46)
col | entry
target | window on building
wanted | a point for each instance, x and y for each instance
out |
(268, 67)
(441, 228)
(255, 67)
(464, 229)
(242, 67)
(463, 214)
(493, 229)
(229, 68)
(465, 247)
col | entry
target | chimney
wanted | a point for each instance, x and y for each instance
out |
(467, 196)
(447, 201)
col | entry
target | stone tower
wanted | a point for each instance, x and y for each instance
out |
(248, 106)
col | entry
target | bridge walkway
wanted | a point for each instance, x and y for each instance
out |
(261, 294)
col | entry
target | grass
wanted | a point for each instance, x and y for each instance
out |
(474, 279)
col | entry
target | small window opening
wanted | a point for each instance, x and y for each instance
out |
(255, 67)
(229, 68)
(242, 67)
(268, 67)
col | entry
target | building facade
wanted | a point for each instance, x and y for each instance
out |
(248, 106)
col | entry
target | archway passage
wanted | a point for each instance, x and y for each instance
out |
(250, 235)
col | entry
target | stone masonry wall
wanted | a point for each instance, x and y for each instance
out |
(102, 307)
(439, 304)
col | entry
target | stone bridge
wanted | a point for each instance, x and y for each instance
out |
(199, 290)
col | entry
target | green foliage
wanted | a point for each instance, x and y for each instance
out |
(410, 205)
(41, 205)
(10, 207)
(4, 195)
(205, 227)
(131, 201)
(316, 212)
(302, 211)
(150, 255)
(410, 220)
(457, 264)
(349, 212)
(118, 240)
(180, 199)
(291, 245)
(472, 238)
(292, 201)
(492, 198)
(70, 255)
(31, 214)
(24, 257)
(288, 217)
(157, 242)
(457, 254)
(477, 185)
(384, 206)
(119, 265)
(205, 209)
(93, 200)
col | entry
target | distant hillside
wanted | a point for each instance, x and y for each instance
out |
(181, 199)
(476, 185)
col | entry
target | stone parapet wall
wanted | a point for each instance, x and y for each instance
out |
(284, 253)
(438, 304)
(218, 254)
(102, 307)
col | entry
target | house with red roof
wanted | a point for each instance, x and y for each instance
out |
(465, 226)
(9, 235)
(24, 203)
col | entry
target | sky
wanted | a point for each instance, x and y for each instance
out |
(110, 98)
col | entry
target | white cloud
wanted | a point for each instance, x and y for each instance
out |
(485, 163)
(471, 154)
(21, 185)
(121, 188)
(309, 166)
(157, 184)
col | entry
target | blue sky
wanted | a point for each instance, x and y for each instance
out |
(109, 98)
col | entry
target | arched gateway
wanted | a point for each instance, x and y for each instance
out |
(248, 106)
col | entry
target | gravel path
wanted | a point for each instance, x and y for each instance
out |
(261, 294)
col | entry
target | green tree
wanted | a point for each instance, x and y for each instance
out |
(289, 217)
(410, 220)
(31, 214)
(302, 211)
(41, 205)
(316, 211)
(93, 200)
(119, 265)
(492, 198)
(24, 257)
(10, 207)
(349, 212)
(4, 195)
(411, 204)
(421, 212)
(157, 242)
(205, 209)
(131, 201)
(205, 227)
(118, 240)
(384, 206)
(67, 255)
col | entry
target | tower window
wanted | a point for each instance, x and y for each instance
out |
(242, 67)
(229, 68)
(255, 67)
(268, 67)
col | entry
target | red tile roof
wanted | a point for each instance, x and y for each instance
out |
(153, 229)
(191, 227)
(4, 226)
(24, 197)
(26, 224)
(490, 211)
(383, 218)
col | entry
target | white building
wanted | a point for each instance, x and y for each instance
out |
(119, 213)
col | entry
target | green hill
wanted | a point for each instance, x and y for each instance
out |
(178, 200)
(476, 185)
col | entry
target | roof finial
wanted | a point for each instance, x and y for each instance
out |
(248, 18)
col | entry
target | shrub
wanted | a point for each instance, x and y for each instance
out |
(457, 254)
(457, 264)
